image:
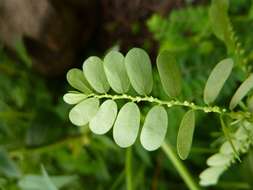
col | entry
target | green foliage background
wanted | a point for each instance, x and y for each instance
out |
(37, 137)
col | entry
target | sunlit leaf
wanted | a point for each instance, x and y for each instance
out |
(83, 112)
(211, 175)
(77, 80)
(74, 97)
(154, 128)
(127, 125)
(219, 159)
(105, 117)
(94, 72)
(185, 134)
(241, 92)
(115, 71)
(138, 66)
(169, 73)
(216, 80)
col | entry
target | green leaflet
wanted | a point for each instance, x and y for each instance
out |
(185, 134)
(169, 73)
(127, 125)
(105, 117)
(154, 128)
(243, 89)
(216, 80)
(77, 80)
(83, 112)
(94, 72)
(219, 159)
(73, 97)
(211, 175)
(139, 70)
(220, 22)
(115, 71)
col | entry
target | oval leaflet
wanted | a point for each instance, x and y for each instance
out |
(103, 121)
(185, 134)
(154, 128)
(77, 80)
(127, 125)
(242, 91)
(169, 74)
(83, 112)
(115, 71)
(94, 72)
(139, 70)
(216, 80)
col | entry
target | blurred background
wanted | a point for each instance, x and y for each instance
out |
(41, 40)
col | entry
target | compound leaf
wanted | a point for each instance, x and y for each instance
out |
(169, 73)
(243, 89)
(105, 117)
(83, 112)
(185, 134)
(114, 65)
(94, 72)
(127, 125)
(139, 70)
(77, 80)
(154, 128)
(216, 80)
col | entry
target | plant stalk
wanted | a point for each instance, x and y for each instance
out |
(128, 168)
(178, 164)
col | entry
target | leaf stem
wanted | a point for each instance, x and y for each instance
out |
(128, 168)
(171, 103)
(182, 170)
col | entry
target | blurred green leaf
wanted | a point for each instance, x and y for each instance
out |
(211, 175)
(7, 166)
(242, 91)
(218, 15)
(44, 182)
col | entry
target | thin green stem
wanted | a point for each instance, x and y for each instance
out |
(171, 103)
(128, 168)
(182, 170)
